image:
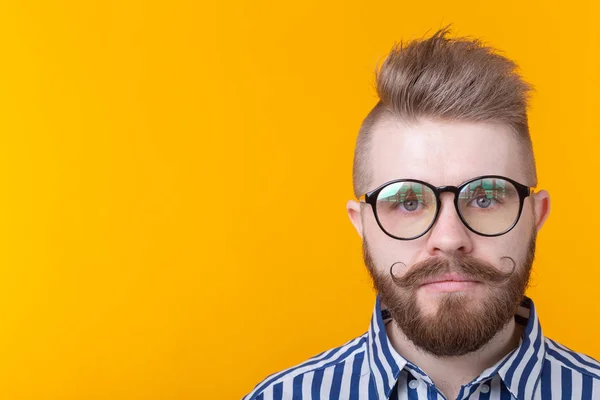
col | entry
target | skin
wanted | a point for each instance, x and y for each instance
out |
(449, 153)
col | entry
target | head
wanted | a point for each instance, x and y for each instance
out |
(449, 110)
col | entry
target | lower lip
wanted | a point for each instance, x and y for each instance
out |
(450, 286)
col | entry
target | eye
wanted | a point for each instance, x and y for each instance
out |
(481, 202)
(411, 204)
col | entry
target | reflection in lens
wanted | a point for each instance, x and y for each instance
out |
(489, 206)
(406, 209)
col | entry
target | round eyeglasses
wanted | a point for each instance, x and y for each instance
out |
(489, 205)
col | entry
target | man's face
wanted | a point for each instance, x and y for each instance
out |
(448, 319)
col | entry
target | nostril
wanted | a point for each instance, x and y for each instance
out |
(450, 250)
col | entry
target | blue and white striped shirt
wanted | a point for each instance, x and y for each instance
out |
(368, 367)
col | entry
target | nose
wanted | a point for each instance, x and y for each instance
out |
(448, 235)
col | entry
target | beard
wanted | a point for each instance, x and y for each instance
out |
(459, 326)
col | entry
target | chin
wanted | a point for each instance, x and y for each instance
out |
(468, 300)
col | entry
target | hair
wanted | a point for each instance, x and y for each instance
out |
(449, 79)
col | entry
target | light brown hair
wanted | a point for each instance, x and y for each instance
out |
(449, 79)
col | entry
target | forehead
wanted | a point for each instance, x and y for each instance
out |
(443, 152)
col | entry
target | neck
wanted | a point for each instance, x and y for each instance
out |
(463, 368)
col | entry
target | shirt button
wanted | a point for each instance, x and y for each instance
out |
(413, 384)
(485, 388)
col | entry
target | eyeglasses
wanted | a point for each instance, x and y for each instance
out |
(489, 205)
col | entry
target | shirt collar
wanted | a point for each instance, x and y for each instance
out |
(520, 370)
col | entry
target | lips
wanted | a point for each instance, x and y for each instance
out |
(448, 278)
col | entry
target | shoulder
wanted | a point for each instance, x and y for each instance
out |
(325, 363)
(567, 359)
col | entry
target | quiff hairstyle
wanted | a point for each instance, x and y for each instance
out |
(448, 79)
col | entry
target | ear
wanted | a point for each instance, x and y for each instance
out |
(541, 206)
(353, 208)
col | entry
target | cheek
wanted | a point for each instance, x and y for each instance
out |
(385, 250)
(514, 244)
(521, 238)
(493, 249)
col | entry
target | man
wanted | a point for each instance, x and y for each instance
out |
(444, 173)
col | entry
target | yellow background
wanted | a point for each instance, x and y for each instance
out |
(174, 175)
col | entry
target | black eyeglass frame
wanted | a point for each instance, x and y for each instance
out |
(523, 191)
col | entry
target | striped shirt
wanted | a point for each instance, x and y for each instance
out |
(368, 367)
